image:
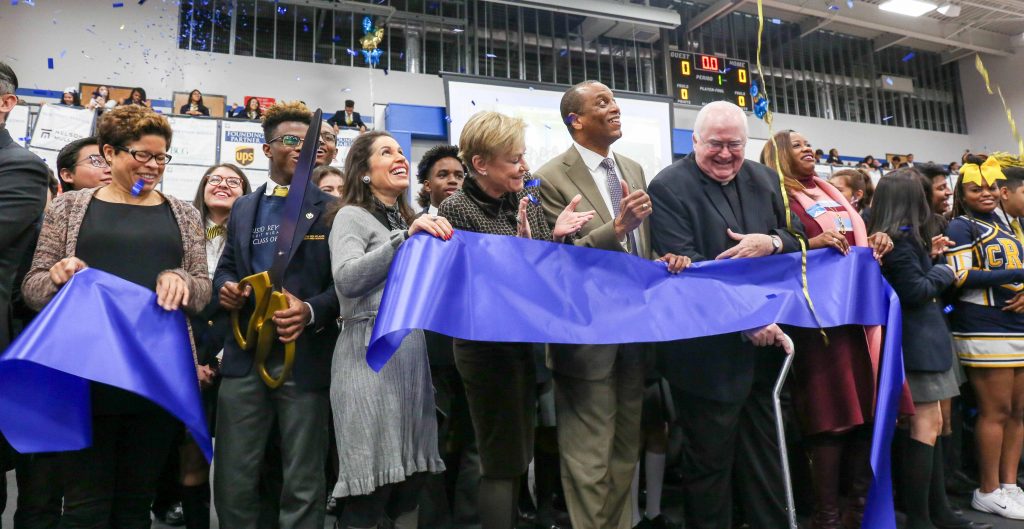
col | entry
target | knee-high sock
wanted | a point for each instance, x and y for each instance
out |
(195, 503)
(634, 494)
(655, 465)
(917, 477)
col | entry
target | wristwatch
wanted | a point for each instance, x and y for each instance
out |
(776, 244)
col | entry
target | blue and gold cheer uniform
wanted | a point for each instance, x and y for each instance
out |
(986, 257)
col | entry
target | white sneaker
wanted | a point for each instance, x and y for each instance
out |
(1015, 494)
(999, 503)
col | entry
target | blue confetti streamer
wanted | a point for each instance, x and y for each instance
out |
(118, 4)
(137, 187)
(14, 2)
(490, 56)
(49, 63)
(908, 57)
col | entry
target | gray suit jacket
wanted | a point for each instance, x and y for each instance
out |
(562, 178)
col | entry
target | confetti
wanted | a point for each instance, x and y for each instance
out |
(63, 53)
(776, 21)
(908, 57)
(849, 4)
(454, 30)
(563, 53)
(471, 101)
(118, 4)
(14, 2)
(49, 63)
(142, 2)
(886, 118)
(490, 56)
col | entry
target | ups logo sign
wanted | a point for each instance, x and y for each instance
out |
(244, 155)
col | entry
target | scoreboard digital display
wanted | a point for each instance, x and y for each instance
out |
(699, 79)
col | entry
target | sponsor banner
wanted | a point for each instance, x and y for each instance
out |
(345, 139)
(256, 177)
(59, 125)
(17, 124)
(181, 181)
(49, 157)
(194, 142)
(241, 143)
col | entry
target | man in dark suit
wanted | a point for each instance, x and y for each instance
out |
(714, 204)
(599, 388)
(248, 408)
(348, 117)
(23, 183)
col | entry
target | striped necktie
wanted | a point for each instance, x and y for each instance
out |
(615, 194)
(215, 231)
(1015, 224)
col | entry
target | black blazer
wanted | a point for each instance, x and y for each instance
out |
(690, 218)
(308, 277)
(338, 120)
(919, 283)
(202, 110)
(209, 330)
(23, 184)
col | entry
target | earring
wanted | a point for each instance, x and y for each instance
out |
(366, 179)
(483, 173)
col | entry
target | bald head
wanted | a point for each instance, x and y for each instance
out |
(716, 114)
(719, 139)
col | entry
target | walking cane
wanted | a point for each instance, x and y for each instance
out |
(780, 432)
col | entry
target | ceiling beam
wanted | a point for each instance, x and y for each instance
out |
(716, 10)
(821, 23)
(955, 55)
(888, 40)
(915, 29)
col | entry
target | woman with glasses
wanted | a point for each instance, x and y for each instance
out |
(328, 150)
(150, 239)
(500, 378)
(81, 166)
(194, 106)
(218, 190)
(834, 388)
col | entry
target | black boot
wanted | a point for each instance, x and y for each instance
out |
(918, 459)
(825, 452)
(942, 513)
(195, 502)
(858, 464)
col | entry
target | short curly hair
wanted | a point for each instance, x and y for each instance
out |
(123, 125)
(284, 111)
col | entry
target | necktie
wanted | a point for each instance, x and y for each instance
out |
(1015, 224)
(215, 231)
(280, 191)
(348, 119)
(615, 193)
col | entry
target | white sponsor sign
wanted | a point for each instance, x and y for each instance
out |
(181, 181)
(194, 141)
(59, 125)
(345, 139)
(256, 177)
(48, 156)
(17, 124)
(241, 143)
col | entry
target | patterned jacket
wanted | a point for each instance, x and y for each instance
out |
(59, 238)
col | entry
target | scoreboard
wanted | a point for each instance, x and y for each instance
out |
(700, 79)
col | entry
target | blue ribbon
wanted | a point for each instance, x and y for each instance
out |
(99, 328)
(507, 289)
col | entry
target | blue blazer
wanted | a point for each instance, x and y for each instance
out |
(308, 277)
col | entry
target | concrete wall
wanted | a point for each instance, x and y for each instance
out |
(986, 120)
(136, 45)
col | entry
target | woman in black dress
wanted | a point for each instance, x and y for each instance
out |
(150, 239)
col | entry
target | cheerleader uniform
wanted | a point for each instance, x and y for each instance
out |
(986, 257)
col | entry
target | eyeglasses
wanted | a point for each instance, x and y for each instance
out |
(94, 160)
(291, 140)
(232, 181)
(328, 137)
(146, 156)
(733, 146)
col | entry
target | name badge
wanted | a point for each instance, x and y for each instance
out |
(816, 210)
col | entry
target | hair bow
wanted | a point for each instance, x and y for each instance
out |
(984, 175)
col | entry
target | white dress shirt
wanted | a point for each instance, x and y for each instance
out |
(600, 175)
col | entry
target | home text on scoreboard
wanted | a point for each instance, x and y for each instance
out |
(699, 79)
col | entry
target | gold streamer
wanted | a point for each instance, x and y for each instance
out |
(980, 66)
(782, 178)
